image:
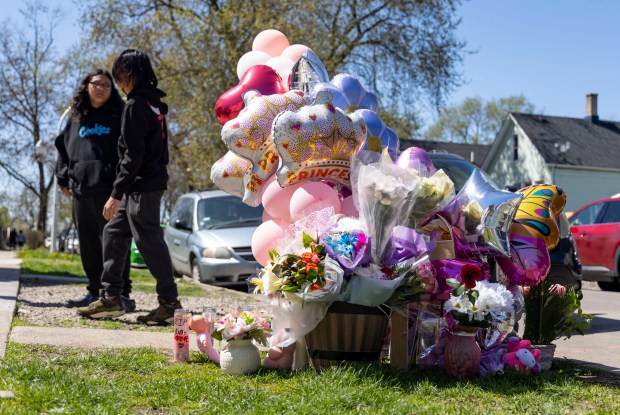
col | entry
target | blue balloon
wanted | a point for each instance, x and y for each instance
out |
(349, 94)
(378, 135)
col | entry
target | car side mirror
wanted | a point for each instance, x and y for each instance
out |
(181, 224)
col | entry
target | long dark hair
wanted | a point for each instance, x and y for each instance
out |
(134, 66)
(80, 105)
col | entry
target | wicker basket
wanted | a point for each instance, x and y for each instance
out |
(348, 333)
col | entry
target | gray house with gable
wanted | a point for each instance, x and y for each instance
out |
(581, 155)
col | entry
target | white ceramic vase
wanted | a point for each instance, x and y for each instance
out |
(239, 357)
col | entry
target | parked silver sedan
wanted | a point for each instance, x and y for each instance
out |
(209, 237)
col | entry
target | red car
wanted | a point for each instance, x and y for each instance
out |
(596, 230)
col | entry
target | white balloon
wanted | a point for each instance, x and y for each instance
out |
(251, 59)
(281, 65)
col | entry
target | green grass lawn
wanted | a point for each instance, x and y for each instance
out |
(42, 262)
(47, 379)
(144, 381)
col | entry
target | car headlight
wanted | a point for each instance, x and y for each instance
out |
(219, 252)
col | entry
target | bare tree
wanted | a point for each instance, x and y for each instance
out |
(29, 94)
(404, 50)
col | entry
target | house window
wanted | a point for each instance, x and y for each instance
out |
(515, 147)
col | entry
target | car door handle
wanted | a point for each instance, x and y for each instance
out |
(176, 242)
(583, 234)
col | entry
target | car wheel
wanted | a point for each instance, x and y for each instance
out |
(196, 270)
(609, 285)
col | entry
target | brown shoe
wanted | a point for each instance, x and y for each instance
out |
(163, 315)
(103, 307)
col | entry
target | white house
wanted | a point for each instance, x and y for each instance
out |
(580, 155)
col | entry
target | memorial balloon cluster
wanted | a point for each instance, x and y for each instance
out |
(347, 218)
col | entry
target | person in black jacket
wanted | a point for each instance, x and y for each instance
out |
(134, 203)
(85, 170)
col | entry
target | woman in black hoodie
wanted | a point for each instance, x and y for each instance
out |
(87, 158)
(135, 200)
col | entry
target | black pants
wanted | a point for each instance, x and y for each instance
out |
(138, 217)
(89, 221)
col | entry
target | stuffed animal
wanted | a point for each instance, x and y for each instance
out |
(203, 337)
(521, 356)
(280, 357)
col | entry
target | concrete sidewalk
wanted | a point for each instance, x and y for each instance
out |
(9, 287)
(59, 336)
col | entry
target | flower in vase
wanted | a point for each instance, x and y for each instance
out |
(479, 305)
(242, 325)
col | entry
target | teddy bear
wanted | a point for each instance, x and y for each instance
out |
(521, 356)
(203, 337)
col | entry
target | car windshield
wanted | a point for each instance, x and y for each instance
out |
(227, 212)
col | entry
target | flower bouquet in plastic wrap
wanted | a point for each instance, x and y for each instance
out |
(300, 279)
(384, 193)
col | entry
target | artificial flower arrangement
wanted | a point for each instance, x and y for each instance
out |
(476, 302)
(242, 325)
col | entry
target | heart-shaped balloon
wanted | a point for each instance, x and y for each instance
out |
(249, 136)
(349, 94)
(229, 173)
(262, 78)
(316, 142)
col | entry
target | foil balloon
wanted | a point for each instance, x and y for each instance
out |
(249, 136)
(529, 261)
(261, 78)
(378, 135)
(417, 159)
(538, 210)
(307, 72)
(348, 94)
(481, 216)
(316, 142)
(229, 173)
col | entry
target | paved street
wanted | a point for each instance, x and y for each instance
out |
(600, 347)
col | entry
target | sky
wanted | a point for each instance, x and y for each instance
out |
(554, 52)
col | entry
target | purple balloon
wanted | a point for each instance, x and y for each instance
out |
(529, 261)
(416, 158)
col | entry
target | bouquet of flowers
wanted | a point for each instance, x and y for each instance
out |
(476, 302)
(347, 244)
(301, 272)
(384, 195)
(240, 325)
(433, 194)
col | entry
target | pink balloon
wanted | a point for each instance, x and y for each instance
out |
(267, 216)
(276, 200)
(272, 42)
(347, 207)
(294, 52)
(311, 197)
(529, 261)
(266, 237)
(416, 158)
